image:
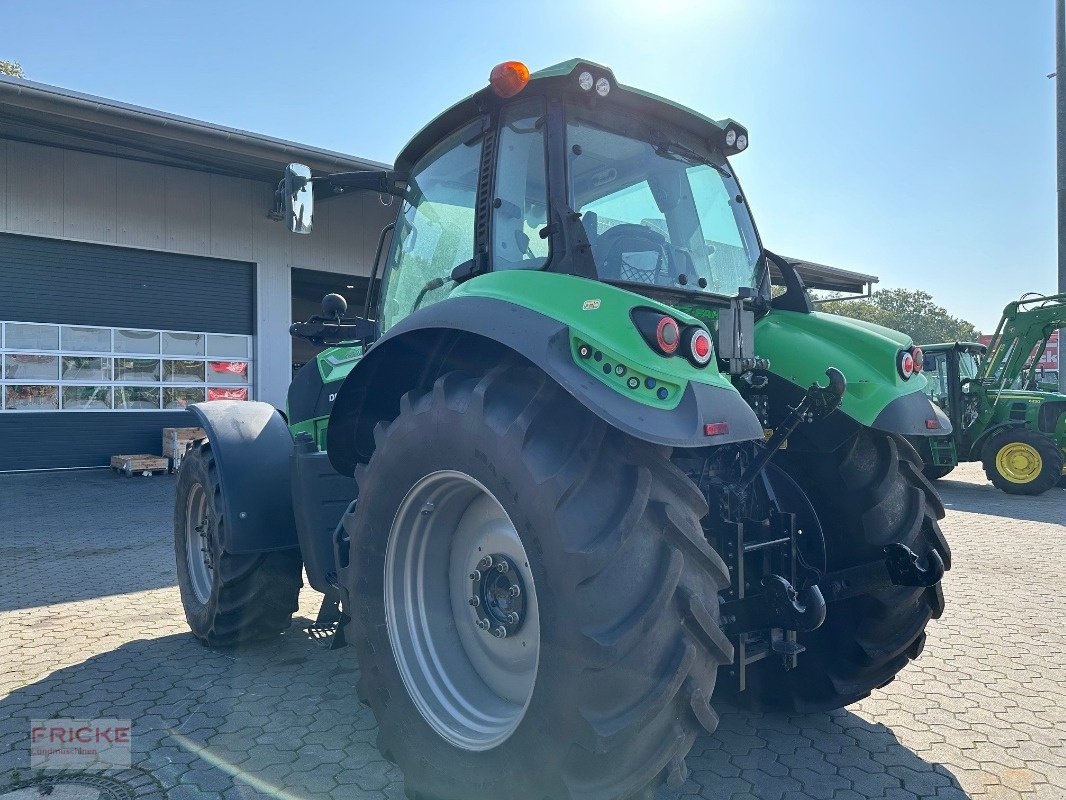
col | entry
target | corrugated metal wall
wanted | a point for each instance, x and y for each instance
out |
(45, 440)
(76, 283)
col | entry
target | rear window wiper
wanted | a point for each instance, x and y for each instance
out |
(682, 153)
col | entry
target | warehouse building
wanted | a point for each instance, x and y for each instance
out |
(140, 270)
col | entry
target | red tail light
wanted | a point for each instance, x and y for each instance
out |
(667, 335)
(919, 359)
(905, 364)
(699, 346)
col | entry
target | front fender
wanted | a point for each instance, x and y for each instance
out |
(801, 346)
(251, 445)
(453, 332)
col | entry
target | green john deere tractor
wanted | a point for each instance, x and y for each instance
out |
(574, 469)
(1000, 413)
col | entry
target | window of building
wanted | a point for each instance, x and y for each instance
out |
(82, 368)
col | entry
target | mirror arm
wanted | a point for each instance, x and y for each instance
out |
(388, 181)
(323, 330)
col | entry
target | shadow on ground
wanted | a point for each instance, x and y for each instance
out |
(281, 719)
(987, 499)
(64, 533)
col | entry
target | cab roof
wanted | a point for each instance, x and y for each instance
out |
(940, 347)
(561, 78)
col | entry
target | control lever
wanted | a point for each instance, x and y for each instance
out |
(819, 401)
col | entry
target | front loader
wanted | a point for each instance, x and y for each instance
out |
(1000, 415)
(574, 469)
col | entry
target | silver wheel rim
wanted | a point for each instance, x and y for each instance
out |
(471, 686)
(198, 544)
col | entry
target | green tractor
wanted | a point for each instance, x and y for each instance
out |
(575, 469)
(1000, 413)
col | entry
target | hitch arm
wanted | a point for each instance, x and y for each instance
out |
(779, 606)
(899, 568)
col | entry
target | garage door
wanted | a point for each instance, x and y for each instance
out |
(104, 346)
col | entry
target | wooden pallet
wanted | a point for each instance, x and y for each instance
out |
(177, 440)
(139, 463)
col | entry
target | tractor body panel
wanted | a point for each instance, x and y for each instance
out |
(314, 388)
(546, 318)
(799, 346)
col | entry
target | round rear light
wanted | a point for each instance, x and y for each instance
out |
(905, 365)
(919, 359)
(700, 346)
(667, 335)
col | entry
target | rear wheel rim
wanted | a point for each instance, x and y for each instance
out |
(1019, 462)
(469, 682)
(198, 544)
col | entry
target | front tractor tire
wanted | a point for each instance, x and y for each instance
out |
(868, 493)
(1021, 461)
(229, 599)
(599, 683)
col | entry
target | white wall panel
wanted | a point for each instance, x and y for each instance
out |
(3, 184)
(89, 197)
(141, 204)
(188, 211)
(35, 184)
(231, 217)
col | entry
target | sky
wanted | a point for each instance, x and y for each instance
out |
(911, 140)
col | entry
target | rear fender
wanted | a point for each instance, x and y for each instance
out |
(251, 446)
(469, 332)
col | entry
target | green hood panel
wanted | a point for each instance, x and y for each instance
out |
(598, 314)
(801, 346)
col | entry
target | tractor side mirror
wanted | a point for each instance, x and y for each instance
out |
(299, 198)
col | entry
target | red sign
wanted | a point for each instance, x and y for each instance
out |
(227, 394)
(1050, 359)
(235, 367)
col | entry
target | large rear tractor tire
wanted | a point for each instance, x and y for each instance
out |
(868, 493)
(534, 608)
(1021, 461)
(229, 599)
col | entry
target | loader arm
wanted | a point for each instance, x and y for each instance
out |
(1020, 340)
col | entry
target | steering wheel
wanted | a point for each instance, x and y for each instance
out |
(617, 242)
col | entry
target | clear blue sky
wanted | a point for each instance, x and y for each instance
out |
(913, 140)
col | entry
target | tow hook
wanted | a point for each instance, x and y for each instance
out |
(779, 606)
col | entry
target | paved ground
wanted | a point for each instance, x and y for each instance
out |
(91, 626)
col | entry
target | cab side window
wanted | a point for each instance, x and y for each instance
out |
(521, 195)
(435, 231)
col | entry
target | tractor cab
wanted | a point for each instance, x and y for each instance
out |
(948, 368)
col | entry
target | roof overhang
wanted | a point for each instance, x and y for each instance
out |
(49, 115)
(828, 279)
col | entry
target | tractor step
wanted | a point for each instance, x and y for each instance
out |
(328, 628)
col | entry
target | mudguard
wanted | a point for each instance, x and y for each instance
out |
(441, 336)
(800, 346)
(251, 446)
